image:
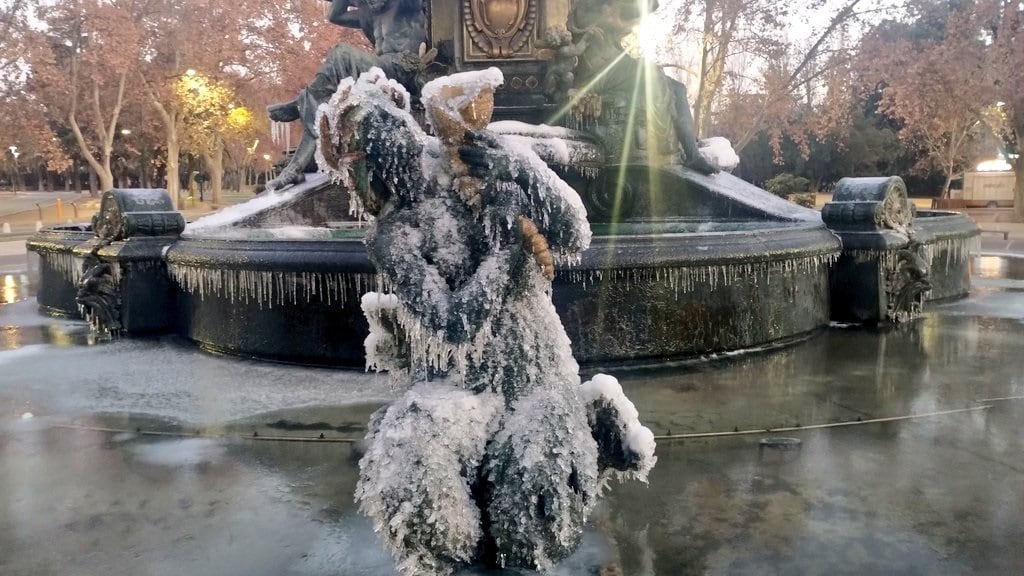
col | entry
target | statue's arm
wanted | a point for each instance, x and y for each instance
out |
(553, 206)
(583, 43)
(556, 209)
(342, 16)
(396, 248)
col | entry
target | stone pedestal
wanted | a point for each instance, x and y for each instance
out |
(124, 286)
(883, 272)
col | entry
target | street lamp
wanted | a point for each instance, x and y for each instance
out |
(268, 170)
(16, 181)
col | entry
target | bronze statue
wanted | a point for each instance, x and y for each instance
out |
(563, 56)
(599, 26)
(398, 31)
(494, 451)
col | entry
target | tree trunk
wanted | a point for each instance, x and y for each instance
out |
(77, 175)
(713, 72)
(17, 181)
(215, 165)
(106, 180)
(173, 177)
(105, 134)
(143, 173)
(92, 183)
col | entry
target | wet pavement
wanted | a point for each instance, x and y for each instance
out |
(148, 456)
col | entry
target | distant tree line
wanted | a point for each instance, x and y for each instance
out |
(920, 89)
(100, 93)
(138, 91)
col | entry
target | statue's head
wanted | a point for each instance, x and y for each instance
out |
(369, 141)
(556, 37)
(461, 102)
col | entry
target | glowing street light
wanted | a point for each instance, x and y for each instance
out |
(16, 184)
(126, 131)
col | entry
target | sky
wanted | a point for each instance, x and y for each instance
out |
(804, 24)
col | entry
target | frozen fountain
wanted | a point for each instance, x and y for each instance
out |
(685, 260)
(461, 261)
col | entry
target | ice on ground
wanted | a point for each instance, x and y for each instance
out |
(179, 453)
(172, 379)
(988, 302)
(20, 354)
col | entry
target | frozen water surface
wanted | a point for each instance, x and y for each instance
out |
(936, 495)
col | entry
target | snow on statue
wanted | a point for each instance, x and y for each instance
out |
(495, 453)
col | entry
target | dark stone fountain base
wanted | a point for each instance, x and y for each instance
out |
(635, 297)
(54, 269)
(291, 301)
(645, 292)
(648, 298)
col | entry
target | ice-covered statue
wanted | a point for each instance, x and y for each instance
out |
(495, 453)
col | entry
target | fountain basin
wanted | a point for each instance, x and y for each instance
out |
(950, 238)
(286, 300)
(54, 269)
(640, 298)
(642, 293)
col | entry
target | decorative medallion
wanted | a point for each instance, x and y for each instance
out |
(499, 28)
(897, 209)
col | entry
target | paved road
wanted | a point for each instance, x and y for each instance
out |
(12, 256)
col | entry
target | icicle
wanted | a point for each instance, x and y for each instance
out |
(264, 287)
(69, 266)
(687, 279)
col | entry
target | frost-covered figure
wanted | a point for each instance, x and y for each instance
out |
(398, 31)
(496, 452)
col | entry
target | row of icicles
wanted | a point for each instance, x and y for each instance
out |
(269, 288)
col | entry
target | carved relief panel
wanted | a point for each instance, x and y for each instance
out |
(499, 29)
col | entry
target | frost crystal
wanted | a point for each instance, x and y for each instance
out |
(494, 452)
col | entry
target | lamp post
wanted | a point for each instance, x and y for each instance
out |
(125, 171)
(247, 167)
(16, 181)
